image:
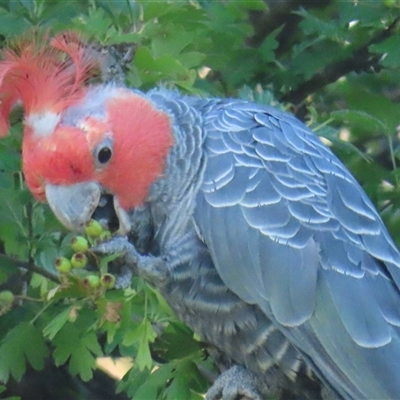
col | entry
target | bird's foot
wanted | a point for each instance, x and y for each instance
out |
(237, 383)
(149, 267)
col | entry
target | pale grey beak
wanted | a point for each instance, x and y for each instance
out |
(73, 205)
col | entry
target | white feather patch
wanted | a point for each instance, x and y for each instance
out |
(43, 124)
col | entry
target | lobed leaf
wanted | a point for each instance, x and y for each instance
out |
(80, 349)
(23, 344)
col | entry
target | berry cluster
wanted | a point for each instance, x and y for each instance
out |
(81, 256)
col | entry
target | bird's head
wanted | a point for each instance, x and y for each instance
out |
(84, 147)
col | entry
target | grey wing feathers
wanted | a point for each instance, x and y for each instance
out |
(290, 229)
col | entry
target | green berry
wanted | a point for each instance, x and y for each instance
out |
(6, 297)
(108, 281)
(93, 228)
(79, 260)
(79, 244)
(92, 281)
(63, 265)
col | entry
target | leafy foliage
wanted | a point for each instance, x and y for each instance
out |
(334, 63)
(24, 343)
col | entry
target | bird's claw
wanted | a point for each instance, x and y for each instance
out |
(118, 245)
(237, 383)
(149, 267)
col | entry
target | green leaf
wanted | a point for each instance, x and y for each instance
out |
(10, 159)
(22, 344)
(360, 119)
(165, 64)
(365, 12)
(143, 357)
(39, 282)
(171, 41)
(191, 59)
(172, 381)
(378, 106)
(269, 45)
(155, 383)
(314, 25)
(254, 5)
(179, 388)
(79, 348)
(162, 306)
(13, 229)
(54, 326)
(153, 10)
(307, 62)
(94, 25)
(132, 381)
(45, 255)
(7, 267)
(152, 70)
(390, 49)
(142, 335)
(177, 345)
(11, 24)
(331, 134)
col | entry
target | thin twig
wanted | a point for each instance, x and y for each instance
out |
(27, 298)
(30, 266)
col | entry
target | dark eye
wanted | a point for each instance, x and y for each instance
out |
(103, 152)
(104, 155)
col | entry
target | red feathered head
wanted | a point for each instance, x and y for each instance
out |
(81, 142)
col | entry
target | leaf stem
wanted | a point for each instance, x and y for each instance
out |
(46, 306)
(22, 297)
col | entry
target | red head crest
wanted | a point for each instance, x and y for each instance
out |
(38, 73)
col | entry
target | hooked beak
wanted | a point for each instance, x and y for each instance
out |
(74, 205)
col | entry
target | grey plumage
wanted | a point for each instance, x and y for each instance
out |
(266, 246)
(274, 244)
(256, 234)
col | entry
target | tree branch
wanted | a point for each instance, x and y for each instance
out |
(113, 61)
(29, 266)
(361, 60)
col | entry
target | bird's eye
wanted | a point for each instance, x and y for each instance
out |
(104, 155)
(103, 152)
